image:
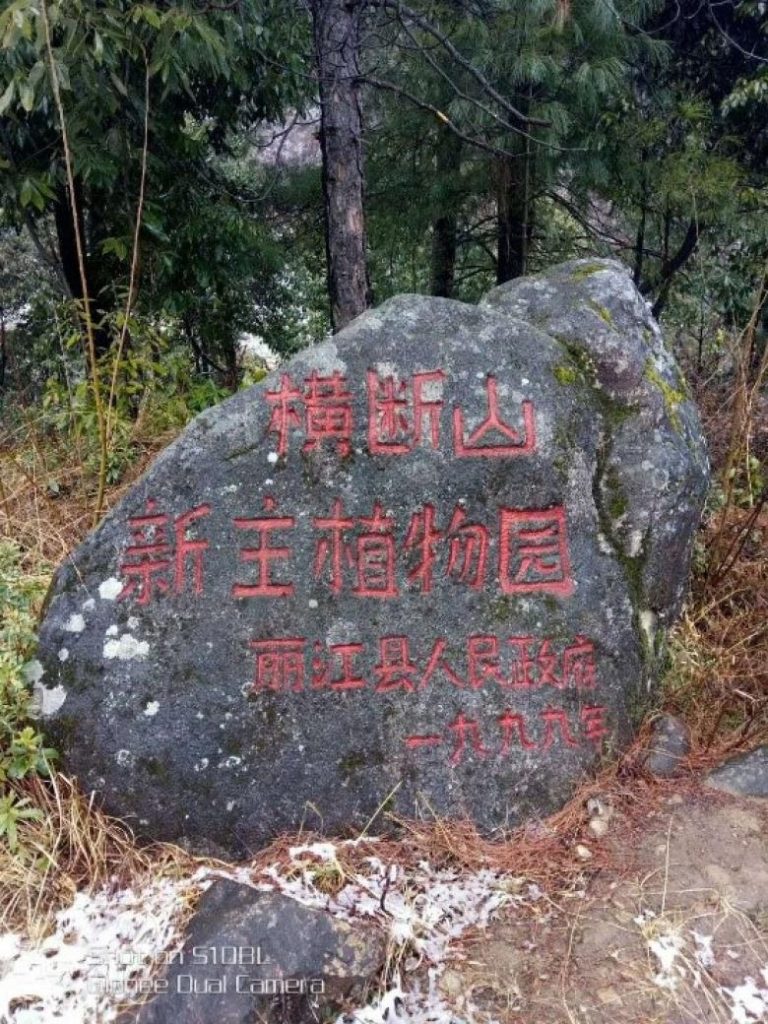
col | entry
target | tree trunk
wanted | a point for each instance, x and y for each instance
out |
(65, 236)
(336, 40)
(67, 243)
(514, 219)
(3, 349)
(445, 225)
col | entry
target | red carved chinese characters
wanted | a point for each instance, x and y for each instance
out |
(365, 546)
(323, 410)
(329, 412)
(556, 723)
(482, 661)
(468, 550)
(579, 668)
(265, 554)
(514, 733)
(154, 564)
(428, 553)
(324, 667)
(279, 665)
(395, 670)
(533, 551)
(285, 412)
(467, 547)
(423, 537)
(404, 413)
(399, 421)
(465, 730)
(493, 438)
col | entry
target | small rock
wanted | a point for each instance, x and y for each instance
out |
(745, 775)
(252, 956)
(669, 744)
(583, 852)
(598, 807)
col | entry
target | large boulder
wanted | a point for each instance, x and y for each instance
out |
(426, 567)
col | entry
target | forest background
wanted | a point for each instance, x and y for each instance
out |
(185, 183)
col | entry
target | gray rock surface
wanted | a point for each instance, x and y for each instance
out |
(252, 956)
(669, 744)
(745, 775)
(426, 566)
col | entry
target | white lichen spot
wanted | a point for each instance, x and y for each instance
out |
(110, 589)
(112, 631)
(88, 605)
(312, 602)
(231, 762)
(647, 621)
(269, 482)
(49, 700)
(132, 623)
(386, 369)
(124, 758)
(635, 543)
(63, 655)
(75, 623)
(151, 709)
(230, 804)
(126, 648)
(603, 544)
(201, 765)
(432, 390)
(33, 672)
(272, 458)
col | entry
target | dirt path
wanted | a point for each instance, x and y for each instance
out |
(669, 936)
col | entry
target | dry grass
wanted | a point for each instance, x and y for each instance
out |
(72, 847)
(47, 492)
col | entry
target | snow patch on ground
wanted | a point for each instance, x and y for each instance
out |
(107, 944)
(679, 963)
(103, 946)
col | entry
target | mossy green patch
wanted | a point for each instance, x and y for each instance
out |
(673, 398)
(616, 499)
(566, 375)
(587, 270)
(236, 453)
(501, 609)
(603, 312)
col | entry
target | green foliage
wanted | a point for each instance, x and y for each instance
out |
(13, 811)
(22, 751)
(157, 391)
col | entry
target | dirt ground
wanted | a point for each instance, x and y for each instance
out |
(671, 934)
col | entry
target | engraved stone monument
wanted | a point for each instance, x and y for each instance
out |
(426, 566)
